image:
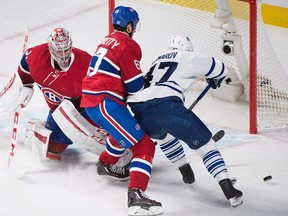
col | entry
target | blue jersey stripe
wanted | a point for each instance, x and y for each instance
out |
(211, 68)
(24, 64)
(171, 87)
(135, 85)
(105, 66)
(222, 70)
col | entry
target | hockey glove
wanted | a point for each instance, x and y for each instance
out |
(15, 94)
(215, 83)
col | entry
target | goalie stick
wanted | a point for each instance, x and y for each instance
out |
(17, 112)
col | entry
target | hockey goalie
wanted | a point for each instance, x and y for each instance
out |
(57, 69)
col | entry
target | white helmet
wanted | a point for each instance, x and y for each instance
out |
(60, 46)
(181, 42)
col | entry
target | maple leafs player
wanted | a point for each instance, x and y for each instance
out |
(58, 69)
(159, 109)
(114, 73)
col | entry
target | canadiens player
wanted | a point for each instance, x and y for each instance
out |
(114, 74)
(159, 109)
(57, 68)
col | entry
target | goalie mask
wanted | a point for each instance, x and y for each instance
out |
(60, 47)
(181, 42)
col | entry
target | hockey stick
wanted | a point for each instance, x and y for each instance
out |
(200, 97)
(17, 112)
(216, 137)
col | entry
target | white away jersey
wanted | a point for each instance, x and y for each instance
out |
(174, 71)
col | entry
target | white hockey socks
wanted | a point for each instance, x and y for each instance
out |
(213, 161)
(173, 150)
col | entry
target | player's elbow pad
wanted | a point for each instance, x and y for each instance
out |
(15, 94)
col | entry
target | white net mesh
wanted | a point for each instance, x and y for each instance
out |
(160, 20)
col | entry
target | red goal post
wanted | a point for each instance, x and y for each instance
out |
(255, 63)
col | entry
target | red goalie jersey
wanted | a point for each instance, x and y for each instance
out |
(37, 66)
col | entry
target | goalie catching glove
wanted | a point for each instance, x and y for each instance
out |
(15, 94)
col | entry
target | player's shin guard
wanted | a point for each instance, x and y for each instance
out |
(173, 150)
(141, 164)
(213, 161)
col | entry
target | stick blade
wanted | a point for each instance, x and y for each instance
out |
(219, 135)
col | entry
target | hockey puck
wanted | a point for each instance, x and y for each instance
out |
(267, 178)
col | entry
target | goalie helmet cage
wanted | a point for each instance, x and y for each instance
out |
(254, 61)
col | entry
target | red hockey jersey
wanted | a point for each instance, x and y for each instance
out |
(37, 66)
(114, 71)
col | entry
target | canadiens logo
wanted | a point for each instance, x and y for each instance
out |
(52, 96)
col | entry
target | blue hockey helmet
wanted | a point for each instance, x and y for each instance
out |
(122, 15)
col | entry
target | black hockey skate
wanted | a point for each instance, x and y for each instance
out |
(114, 171)
(231, 193)
(187, 173)
(140, 204)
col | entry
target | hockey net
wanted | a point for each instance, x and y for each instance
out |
(264, 79)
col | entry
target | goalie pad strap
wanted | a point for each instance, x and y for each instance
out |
(78, 129)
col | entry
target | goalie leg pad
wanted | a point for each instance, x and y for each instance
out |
(78, 129)
(38, 137)
(40, 140)
(55, 149)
